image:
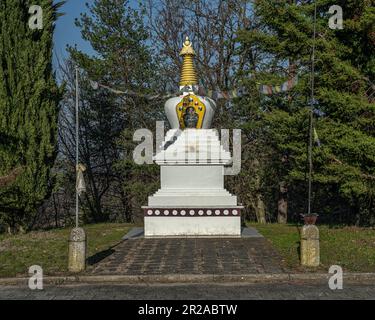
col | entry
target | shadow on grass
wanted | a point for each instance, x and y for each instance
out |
(298, 243)
(99, 256)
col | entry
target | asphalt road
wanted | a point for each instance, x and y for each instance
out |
(227, 291)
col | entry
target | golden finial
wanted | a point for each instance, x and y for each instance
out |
(188, 75)
(187, 48)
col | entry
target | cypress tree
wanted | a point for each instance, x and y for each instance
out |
(29, 98)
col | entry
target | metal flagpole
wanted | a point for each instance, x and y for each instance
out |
(311, 112)
(77, 141)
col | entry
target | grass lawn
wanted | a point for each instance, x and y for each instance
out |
(49, 249)
(351, 248)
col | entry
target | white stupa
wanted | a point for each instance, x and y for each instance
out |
(192, 200)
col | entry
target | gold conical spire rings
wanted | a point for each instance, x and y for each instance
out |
(188, 74)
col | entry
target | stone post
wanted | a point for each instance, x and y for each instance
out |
(310, 253)
(77, 250)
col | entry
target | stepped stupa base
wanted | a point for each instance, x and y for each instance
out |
(192, 222)
(192, 200)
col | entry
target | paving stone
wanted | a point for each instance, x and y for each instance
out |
(190, 255)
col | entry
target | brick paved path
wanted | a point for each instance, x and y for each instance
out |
(189, 256)
(192, 291)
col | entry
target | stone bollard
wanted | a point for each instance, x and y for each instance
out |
(77, 250)
(310, 253)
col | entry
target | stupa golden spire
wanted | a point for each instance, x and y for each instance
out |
(188, 74)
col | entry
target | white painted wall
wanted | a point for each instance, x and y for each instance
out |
(192, 226)
(200, 177)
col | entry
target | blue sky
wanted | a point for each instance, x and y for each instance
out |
(67, 33)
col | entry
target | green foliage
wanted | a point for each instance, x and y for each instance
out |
(117, 34)
(29, 100)
(344, 166)
(123, 61)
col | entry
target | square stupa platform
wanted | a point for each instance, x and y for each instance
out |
(192, 200)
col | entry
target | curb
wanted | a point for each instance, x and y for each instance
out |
(190, 278)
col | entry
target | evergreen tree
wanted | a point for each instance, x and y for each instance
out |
(100, 123)
(344, 164)
(29, 100)
(123, 61)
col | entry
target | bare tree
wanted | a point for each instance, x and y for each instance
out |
(212, 26)
(101, 125)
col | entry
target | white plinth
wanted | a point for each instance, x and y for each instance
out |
(193, 146)
(192, 226)
(192, 200)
